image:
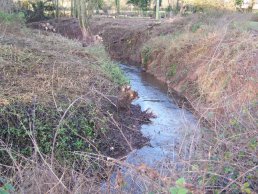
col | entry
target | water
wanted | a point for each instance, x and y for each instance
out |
(165, 131)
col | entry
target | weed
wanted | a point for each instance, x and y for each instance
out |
(179, 188)
(110, 68)
(196, 26)
(172, 71)
(145, 55)
(19, 125)
(114, 72)
(12, 18)
(7, 188)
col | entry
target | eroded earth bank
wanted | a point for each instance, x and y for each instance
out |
(60, 92)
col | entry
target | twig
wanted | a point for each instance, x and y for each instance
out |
(234, 181)
(121, 131)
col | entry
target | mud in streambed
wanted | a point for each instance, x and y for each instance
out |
(166, 132)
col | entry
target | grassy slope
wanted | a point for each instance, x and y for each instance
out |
(55, 119)
(213, 62)
(211, 59)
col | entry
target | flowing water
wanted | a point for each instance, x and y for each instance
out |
(165, 131)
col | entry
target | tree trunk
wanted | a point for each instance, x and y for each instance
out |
(117, 2)
(157, 9)
(57, 8)
(72, 7)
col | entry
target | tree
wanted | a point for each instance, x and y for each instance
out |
(83, 10)
(157, 9)
(117, 2)
(142, 4)
(239, 2)
(57, 8)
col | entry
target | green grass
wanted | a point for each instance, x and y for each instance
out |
(109, 67)
(172, 71)
(146, 52)
(253, 25)
(11, 18)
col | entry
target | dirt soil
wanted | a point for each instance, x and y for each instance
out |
(199, 57)
(21, 48)
(209, 60)
(182, 63)
(122, 37)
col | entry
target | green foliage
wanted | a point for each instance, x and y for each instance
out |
(246, 188)
(239, 2)
(10, 18)
(6, 188)
(196, 26)
(179, 188)
(172, 71)
(146, 52)
(142, 4)
(114, 72)
(111, 69)
(253, 144)
(36, 11)
(18, 124)
(228, 170)
(100, 4)
(117, 3)
(169, 8)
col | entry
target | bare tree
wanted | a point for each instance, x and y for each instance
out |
(117, 2)
(83, 10)
(6, 5)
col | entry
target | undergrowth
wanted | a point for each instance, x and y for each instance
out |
(212, 62)
(109, 67)
(10, 18)
(53, 117)
(54, 110)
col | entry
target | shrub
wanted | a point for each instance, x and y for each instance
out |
(21, 123)
(172, 70)
(11, 18)
(146, 52)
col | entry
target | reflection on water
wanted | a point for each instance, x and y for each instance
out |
(164, 132)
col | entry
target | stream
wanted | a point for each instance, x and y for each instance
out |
(165, 132)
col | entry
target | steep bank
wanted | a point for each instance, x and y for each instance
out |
(211, 59)
(58, 114)
(208, 58)
(124, 38)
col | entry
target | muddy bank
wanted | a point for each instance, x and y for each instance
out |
(124, 38)
(180, 53)
(124, 134)
(63, 74)
(199, 57)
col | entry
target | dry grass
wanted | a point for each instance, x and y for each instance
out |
(213, 62)
(63, 77)
(55, 117)
(6, 5)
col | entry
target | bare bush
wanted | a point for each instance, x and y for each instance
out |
(6, 6)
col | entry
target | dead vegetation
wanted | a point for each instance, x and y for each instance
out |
(58, 121)
(213, 64)
(211, 59)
